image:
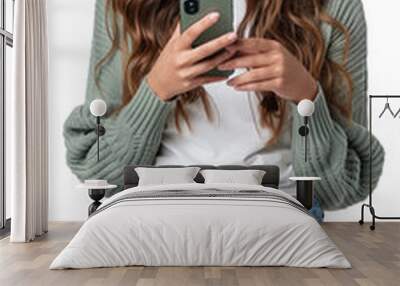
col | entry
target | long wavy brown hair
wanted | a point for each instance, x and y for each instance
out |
(139, 29)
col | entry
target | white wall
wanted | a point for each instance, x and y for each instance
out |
(70, 28)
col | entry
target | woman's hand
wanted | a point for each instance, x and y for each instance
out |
(180, 68)
(271, 68)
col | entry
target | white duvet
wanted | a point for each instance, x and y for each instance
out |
(200, 232)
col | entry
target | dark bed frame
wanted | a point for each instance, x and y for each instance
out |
(270, 179)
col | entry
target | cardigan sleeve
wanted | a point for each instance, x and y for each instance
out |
(133, 135)
(339, 149)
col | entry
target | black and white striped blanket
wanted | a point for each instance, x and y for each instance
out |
(204, 194)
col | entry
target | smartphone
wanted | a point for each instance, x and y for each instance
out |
(191, 11)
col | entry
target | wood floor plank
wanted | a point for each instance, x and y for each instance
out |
(375, 257)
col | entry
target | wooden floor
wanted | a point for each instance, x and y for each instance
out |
(375, 257)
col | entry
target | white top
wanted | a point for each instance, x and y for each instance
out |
(235, 136)
(95, 187)
(305, 179)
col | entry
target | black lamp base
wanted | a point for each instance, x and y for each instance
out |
(96, 196)
(305, 193)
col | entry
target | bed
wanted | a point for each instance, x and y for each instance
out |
(198, 224)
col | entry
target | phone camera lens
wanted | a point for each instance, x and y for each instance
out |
(191, 6)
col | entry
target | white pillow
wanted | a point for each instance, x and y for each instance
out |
(166, 176)
(244, 177)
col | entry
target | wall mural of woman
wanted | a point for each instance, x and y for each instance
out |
(163, 110)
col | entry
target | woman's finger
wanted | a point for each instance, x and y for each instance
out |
(254, 75)
(177, 32)
(212, 47)
(207, 65)
(254, 46)
(269, 85)
(248, 61)
(194, 31)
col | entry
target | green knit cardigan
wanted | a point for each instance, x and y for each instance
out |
(339, 151)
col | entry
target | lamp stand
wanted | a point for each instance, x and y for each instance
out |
(100, 131)
(304, 131)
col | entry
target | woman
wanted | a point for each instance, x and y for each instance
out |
(165, 111)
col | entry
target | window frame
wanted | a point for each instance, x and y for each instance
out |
(6, 39)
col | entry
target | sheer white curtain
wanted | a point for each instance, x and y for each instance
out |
(29, 159)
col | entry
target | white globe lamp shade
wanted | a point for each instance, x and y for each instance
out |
(98, 107)
(306, 108)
